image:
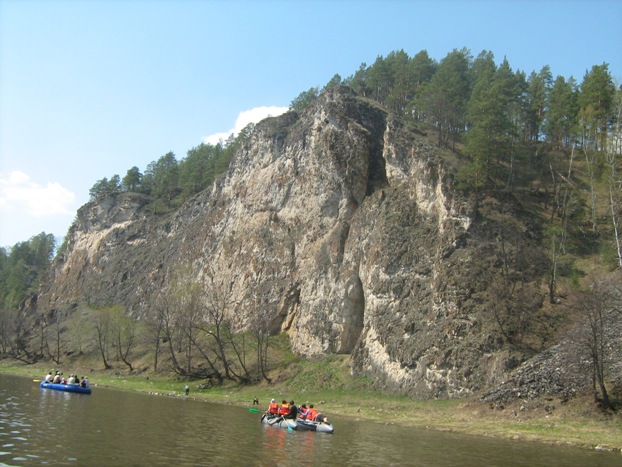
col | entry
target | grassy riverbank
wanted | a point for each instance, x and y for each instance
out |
(328, 384)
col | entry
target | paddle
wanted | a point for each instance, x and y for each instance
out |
(36, 380)
(254, 410)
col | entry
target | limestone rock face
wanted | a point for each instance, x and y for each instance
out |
(340, 224)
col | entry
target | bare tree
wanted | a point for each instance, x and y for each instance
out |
(616, 291)
(216, 301)
(102, 334)
(13, 335)
(5, 331)
(265, 320)
(214, 306)
(597, 306)
(41, 334)
(261, 329)
(591, 162)
(57, 330)
(78, 329)
(189, 316)
(167, 325)
(154, 328)
(19, 341)
(615, 203)
(557, 234)
(184, 326)
(516, 299)
(123, 333)
(615, 196)
(237, 343)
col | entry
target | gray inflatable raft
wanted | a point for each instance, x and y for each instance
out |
(279, 422)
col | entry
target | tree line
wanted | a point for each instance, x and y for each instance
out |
(170, 182)
(21, 267)
(186, 330)
(514, 132)
(486, 104)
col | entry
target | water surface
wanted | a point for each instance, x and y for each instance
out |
(122, 428)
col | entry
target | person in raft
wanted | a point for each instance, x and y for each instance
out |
(293, 411)
(303, 411)
(284, 408)
(315, 416)
(273, 408)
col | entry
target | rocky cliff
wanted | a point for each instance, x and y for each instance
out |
(340, 223)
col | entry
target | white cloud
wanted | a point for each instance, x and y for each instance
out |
(28, 208)
(18, 193)
(244, 118)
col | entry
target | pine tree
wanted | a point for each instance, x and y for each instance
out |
(491, 130)
(538, 89)
(596, 104)
(443, 100)
(562, 109)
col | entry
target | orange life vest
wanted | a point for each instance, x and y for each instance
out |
(284, 409)
(273, 408)
(311, 414)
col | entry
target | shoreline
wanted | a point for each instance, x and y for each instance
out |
(568, 424)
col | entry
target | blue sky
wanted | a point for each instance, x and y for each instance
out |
(89, 89)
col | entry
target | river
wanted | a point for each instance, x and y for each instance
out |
(121, 428)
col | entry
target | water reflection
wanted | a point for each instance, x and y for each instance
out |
(111, 428)
(283, 447)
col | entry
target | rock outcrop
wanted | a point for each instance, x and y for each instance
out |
(342, 226)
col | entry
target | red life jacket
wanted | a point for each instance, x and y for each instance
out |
(273, 408)
(302, 413)
(284, 409)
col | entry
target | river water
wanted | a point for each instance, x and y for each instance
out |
(120, 428)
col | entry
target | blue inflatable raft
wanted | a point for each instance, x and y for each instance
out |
(65, 387)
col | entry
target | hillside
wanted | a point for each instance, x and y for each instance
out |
(340, 226)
